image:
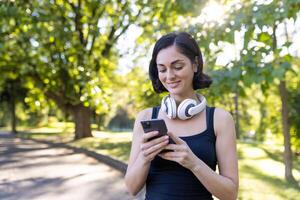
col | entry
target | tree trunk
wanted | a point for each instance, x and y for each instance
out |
(13, 109)
(236, 108)
(82, 119)
(261, 130)
(287, 138)
(13, 116)
(81, 115)
(288, 162)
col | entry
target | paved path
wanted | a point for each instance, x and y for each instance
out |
(37, 171)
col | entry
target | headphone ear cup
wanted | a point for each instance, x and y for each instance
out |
(168, 105)
(184, 107)
(200, 107)
(172, 108)
(163, 104)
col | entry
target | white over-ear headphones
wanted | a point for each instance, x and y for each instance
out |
(186, 109)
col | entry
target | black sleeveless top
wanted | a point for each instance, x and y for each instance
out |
(168, 180)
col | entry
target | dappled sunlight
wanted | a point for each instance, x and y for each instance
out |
(124, 136)
(261, 167)
(253, 152)
(212, 12)
(256, 189)
(262, 173)
(268, 159)
(114, 145)
(56, 173)
(263, 185)
(76, 74)
(267, 166)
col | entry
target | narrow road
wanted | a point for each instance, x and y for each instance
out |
(37, 171)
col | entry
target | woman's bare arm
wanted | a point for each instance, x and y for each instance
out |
(142, 152)
(225, 184)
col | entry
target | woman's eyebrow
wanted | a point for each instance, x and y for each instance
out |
(175, 61)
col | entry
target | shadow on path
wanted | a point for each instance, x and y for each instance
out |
(33, 170)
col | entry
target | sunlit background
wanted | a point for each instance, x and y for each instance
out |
(80, 70)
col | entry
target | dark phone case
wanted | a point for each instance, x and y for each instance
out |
(156, 125)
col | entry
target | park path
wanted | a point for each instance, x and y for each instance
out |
(37, 171)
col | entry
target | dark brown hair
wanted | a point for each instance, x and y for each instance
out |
(187, 45)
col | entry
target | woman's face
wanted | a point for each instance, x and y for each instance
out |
(175, 71)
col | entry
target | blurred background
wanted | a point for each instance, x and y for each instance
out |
(76, 71)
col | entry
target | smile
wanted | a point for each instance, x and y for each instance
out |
(173, 84)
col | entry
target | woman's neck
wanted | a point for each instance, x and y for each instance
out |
(180, 98)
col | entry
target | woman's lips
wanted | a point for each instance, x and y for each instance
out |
(173, 84)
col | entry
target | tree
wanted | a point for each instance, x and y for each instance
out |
(11, 93)
(68, 48)
(261, 60)
(275, 70)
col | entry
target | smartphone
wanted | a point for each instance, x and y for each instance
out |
(155, 125)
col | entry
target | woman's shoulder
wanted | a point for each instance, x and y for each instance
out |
(222, 118)
(144, 114)
(221, 113)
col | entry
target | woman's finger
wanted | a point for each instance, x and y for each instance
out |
(147, 136)
(173, 147)
(156, 147)
(155, 141)
(171, 154)
(153, 154)
(176, 139)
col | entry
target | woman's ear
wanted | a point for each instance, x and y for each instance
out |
(195, 65)
(195, 68)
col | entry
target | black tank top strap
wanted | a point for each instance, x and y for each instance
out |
(210, 119)
(155, 111)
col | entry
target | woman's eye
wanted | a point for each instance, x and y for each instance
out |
(178, 67)
(162, 70)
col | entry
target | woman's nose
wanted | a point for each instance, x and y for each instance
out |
(170, 74)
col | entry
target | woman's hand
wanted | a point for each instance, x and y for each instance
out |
(180, 153)
(150, 148)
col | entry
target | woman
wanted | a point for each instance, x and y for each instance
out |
(201, 140)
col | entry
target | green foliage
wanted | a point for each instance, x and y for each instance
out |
(294, 97)
(134, 93)
(258, 63)
(140, 89)
(65, 50)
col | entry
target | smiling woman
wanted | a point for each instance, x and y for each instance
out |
(181, 163)
(175, 70)
(170, 62)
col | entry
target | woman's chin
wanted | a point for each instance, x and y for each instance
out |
(175, 91)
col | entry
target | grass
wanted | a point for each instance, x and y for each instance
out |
(261, 168)
(116, 145)
(261, 171)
